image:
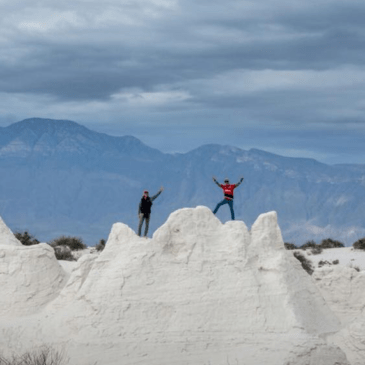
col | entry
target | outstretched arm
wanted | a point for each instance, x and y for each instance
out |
(155, 196)
(239, 183)
(215, 180)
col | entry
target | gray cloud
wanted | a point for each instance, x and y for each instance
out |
(289, 69)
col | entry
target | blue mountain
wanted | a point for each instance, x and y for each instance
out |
(59, 177)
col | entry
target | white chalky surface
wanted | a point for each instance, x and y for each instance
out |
(346, 256)
(7, 237)
(198, 292)
(30, 278)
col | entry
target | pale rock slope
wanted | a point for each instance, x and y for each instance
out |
(346, 256)
(6, 236)
(343, 289)
(30, 276)
(198, 292)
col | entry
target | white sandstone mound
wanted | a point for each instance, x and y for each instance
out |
(6, 236)
(351, 339)
(30, 276)
(343, 289)
(198, 292)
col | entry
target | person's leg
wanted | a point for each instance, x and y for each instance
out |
(146, 225)
(230, 202)
(224, 201)
(141, 218)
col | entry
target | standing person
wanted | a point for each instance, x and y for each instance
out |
(144, 210)
(228, 194)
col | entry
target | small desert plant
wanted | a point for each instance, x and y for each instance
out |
(101, 245)
(323, 262)
(26, 239)
(63, 253)
(290, 246)
(330, 243)
(306, 264)
(360, 244)
(75, 243)
(44, 355)
(308, 244)
(316, 250)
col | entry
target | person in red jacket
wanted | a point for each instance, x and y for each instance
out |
(228, 194)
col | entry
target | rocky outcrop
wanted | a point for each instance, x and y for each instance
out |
(30, 276)
(198, 292)
(343, 289)
(6, 236)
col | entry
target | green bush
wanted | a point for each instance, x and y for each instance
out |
(63, 253)
(44, 355)
(74, 243)
(324, 262)
(290, 246)
(100, 246)
(316, 250)
(308, 244)
(360, 244)
(330, 243)
(306, 264)
(26, 239)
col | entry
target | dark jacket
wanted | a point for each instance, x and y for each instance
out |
(146, 203)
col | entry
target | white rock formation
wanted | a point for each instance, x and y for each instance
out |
(351, 339)
(30, 276)
(343, 289)
(6, 236)
(198, 292)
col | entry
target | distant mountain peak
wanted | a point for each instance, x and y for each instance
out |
(42, 125)
(46, 137)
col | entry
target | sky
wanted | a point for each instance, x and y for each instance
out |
(285, 76)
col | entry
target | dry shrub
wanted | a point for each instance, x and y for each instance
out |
(100, 246)
(75, 243)
(306, 264)
(360, 244)
(44, 355)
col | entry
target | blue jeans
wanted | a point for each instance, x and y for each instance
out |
(225, 201)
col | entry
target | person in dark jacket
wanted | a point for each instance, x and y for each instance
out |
(144, 210)
(228, 194)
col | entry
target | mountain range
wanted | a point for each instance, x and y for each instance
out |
(61, 178)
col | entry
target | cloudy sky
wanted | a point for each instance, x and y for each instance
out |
(286, 76)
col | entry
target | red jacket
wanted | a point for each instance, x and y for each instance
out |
(228, 190)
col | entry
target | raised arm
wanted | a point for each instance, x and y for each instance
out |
(155, 196)
(239, 183)
(215, 180)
